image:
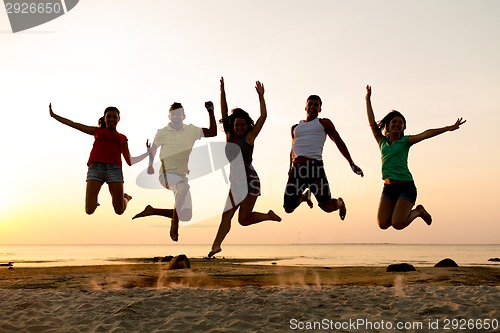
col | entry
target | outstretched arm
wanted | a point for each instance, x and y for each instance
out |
(259, 87)
(84, 128)
(137, 159)
(335, 137)
(412, 139)
(371, 117)
(212, 130)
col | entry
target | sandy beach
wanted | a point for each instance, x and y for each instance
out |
(238, 296)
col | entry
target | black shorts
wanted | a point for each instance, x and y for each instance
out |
(310, 175)
(404, 191)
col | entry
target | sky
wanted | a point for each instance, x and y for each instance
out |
(434, 61)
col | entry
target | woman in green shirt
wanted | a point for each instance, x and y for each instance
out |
(399, 194)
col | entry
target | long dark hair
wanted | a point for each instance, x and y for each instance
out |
(101, 121)
(383, 125)
(228, 123)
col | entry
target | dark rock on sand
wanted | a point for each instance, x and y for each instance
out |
(494, 259)
(163, 259)
(403, 267)
(179, 262)
(446, 263)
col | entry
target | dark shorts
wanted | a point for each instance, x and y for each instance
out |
(404, 191)
(310, 175)
(105, 173)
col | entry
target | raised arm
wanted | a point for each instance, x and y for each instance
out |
(412, 139)
(223, 102)
(223, 106)
(212, 130)
(84, 128)
(335, 137)
(137, 159)
(371, 117)
(259, 87)
(152, 154)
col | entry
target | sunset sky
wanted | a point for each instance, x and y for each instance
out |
(434, 61)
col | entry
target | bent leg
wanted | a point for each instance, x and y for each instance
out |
(385, 212)
(183, 203)
(306, 197)
(404, 215)
(150, 211)
(291, 198)
(119, 198)
(333, 205)
(91, 194)
(174, 226)
(247, 216)
(321, 189)
(295, 186)
(422, 212)
(224, 228)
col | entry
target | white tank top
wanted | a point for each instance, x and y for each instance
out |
(309, 139)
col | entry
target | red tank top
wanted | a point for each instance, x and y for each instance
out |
(108, 147)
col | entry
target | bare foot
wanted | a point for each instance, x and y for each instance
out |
(146, 212)
(273, 216)
(342, 208)
(174, 230)
(425, 215)
(306, 196)
(126, 196)
(214, 251)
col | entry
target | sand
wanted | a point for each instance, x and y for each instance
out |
(234, 296)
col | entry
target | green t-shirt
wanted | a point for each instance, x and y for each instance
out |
(395, 159)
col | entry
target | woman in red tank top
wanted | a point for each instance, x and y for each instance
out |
(105, 163)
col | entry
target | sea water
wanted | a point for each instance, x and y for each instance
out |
(328, 255)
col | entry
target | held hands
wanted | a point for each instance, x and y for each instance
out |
(260, 88)
(457, 124)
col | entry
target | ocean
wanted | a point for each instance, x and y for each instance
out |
(327, 255)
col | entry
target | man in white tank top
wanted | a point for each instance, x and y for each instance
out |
(306, 174)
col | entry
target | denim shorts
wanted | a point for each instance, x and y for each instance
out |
(405, 191)
(105, 173)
